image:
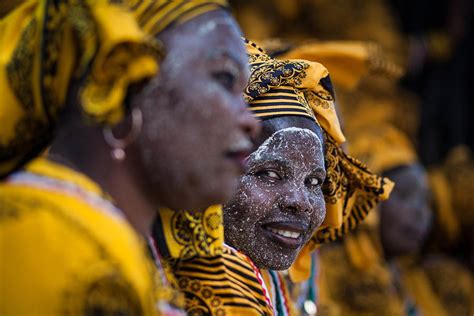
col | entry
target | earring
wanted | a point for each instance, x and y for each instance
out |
(118, 145)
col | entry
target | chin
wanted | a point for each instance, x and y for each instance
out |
(219, 192)
(275, 262)
(280, 266)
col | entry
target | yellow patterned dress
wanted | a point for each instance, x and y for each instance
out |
(214, 278)
(66, 250)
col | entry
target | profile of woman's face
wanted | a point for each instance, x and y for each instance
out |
(196, 127)
(279, 203)
(405, 218)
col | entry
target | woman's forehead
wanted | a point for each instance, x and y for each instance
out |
(289, 142)
(271, 126)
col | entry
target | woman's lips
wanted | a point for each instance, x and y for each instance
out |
(288, 235)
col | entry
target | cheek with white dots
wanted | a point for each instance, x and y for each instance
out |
(249, 207)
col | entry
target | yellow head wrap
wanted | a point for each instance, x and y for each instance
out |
(382, 147)
(302, 88)
(46, 45)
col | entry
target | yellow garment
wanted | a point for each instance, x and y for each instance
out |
(378, 100)
(226, 284)
(417, 286)
(382, 147)
(452, 283)
(345, 289)
(302, 88)
(434, 287)
(46, 47)
(183, 235)
(215, 279)
(65, 250)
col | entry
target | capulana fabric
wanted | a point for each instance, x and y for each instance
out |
(47, 45)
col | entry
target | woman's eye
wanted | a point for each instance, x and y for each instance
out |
(273, 175)
(225, 78)
(314, 182)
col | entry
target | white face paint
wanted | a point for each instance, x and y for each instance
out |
(280, 202)
(212, 25)
(257, 154)
(193, 129)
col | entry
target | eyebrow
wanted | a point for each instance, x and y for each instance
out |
(271, 159)
(319, 170)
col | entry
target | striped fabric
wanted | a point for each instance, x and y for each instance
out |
(221, 285)
(155, 16)
(281, 101)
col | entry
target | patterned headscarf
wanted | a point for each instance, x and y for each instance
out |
(382, 147)
(302, 88)
(48, 44)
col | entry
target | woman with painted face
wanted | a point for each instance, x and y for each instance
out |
(294, 99)
(127, 139)
(280, 201)
(300, 190)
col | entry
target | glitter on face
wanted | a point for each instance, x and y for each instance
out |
(279, 203)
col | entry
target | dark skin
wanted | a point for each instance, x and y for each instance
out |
(196, 127)
(405, 218)
(197, 116)
(280, 202)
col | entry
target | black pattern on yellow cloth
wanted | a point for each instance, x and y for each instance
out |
(48, 44)
(350, 189)
(183, 235)
(49, 210)
(215, 279)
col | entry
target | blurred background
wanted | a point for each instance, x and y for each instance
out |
(431, 40)
(409, 117)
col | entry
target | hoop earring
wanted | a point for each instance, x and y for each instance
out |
(118, 145)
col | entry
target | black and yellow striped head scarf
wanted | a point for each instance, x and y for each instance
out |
(46, 44)
(302, 88)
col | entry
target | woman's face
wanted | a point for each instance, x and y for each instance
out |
(405, 218)
(279, 203)
(196, 127)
